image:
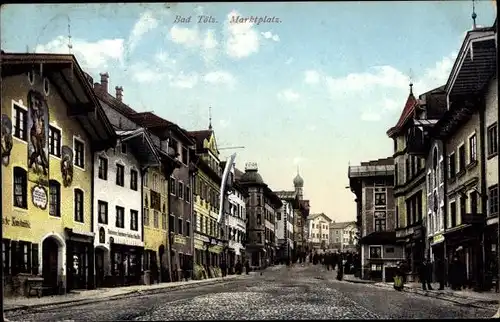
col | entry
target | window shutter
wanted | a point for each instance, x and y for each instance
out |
(14, 260)
(28, 264)
(34, 259)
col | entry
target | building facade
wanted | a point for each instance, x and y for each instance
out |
(373, 184)
(318, 226)
(209, 236)
(154, 172)
(236, 222)
(463, 132)
(261, 206)
(343, 236)
(49, 135)
(409, 188)
(284, 230)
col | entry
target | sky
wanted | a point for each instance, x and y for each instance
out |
(312, 88)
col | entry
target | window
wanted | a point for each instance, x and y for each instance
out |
(146, 217)
(492, 139)
(185, 155)
(380, 221)
(145, 179)
(259, 238)
(181, 190)
(123, 147)
(134, 220)
(461, 158)
(164, 220)
(103, 168)
(375, 252)
(472, 148)
(380, 198)
(79, 148)
(473, 202)
(120, 217)
(120, 175)
(55, 198)
(462, 207)
(259, 200)
(278, 215)
(156, 219)
(54, 141)
(20, 188)
(453, 214)
(171, 223)
(187, 195)
(407, 169)
(133, 179)
(102, 208)
(20, 122)
(493, 200)
(179, 226)
(259, 219)
(441, 171)
(172, 185)
(78, 205)
(452, 165)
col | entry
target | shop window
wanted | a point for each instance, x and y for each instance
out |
(20, 188)
(375, 252)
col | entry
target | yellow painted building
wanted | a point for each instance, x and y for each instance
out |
(208, 237)
(156, 241)
(51, 123)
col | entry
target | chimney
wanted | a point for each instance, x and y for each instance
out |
(119, 93)
(104, 81)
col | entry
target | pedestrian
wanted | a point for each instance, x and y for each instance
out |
(423, 272)
(247, 266)
(439, 270)
(340, 270)
(223, 268)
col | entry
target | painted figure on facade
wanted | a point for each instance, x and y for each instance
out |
(38, 123)
(6, 139)
(67, 165)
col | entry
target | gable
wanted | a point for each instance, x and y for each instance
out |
(211, 144)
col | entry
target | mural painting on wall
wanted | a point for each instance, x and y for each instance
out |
(6, 139)
(38, 143)
(67, 165)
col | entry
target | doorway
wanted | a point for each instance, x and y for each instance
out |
(99, 267)
(50, 251)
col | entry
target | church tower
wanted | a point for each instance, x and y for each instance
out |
(298, 183)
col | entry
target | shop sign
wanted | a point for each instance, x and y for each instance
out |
(179, 240)
(122, 234)
(437, 239)
(215, 249)
(198, 244)
(39, 197)
(15, 222)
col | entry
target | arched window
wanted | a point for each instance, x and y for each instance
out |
(20, 188)
(55, 198)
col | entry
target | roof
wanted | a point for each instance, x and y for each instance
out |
(238, 173)
(251, 177)
(341, 225)
(406, 114)
(112, 102)
(286, 195)
(64, 72)
(314, 216)
(200, 136)
(154, 122)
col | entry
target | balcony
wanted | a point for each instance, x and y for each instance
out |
(417, 142)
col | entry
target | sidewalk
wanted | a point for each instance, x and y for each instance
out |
(466, 297)
(102, 294)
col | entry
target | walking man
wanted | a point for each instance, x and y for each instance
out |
(424, 275)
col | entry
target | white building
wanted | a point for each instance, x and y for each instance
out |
(236, 222)
(117, 206)
(343, 235)
(284, 223)
(319, 230)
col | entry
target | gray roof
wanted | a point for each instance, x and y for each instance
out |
(341, 225)
(314, 216)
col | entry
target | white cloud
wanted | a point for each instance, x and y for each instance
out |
(270, 35)
(182, 80)
(288, 95)
(312, 77)
(242, 39)
(146, 23)
(219, 77)
(96, 56)
(189, 37)
(224, 123)
(143, 74)
(311, 127)
(298, 160)
(164, 60)
(289, 61)
(382, 90)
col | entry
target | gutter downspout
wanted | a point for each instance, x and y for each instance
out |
(483, 195)
(445, 201)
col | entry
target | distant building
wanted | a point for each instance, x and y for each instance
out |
(343, 236)
(284, 220)
(318, 226)
(373, 183)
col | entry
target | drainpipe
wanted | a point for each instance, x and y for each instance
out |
(445, 201)
(483, 195)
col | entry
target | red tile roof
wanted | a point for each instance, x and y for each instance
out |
(409, 108)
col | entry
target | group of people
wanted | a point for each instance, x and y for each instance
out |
(456, 273)
(344, 262)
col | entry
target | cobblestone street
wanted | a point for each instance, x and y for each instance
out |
(302, 292)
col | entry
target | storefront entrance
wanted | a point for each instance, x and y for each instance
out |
(126, 264)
